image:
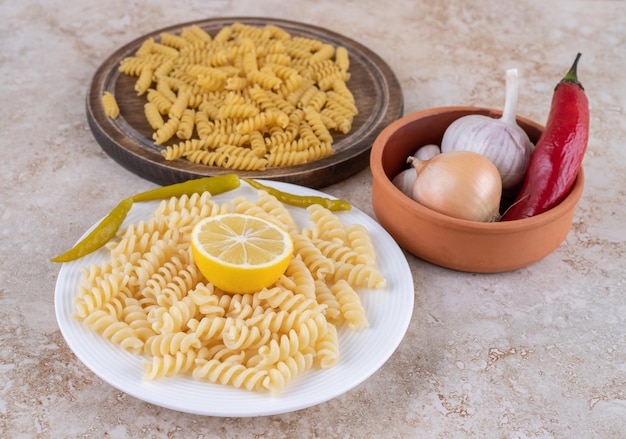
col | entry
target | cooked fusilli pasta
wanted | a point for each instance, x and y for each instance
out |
(150, 298)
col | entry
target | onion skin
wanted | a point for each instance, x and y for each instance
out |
(460, 184)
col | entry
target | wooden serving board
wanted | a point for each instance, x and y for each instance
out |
(128, 139)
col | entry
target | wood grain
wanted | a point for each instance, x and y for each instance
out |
(128, 139)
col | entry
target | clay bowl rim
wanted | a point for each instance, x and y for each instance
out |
(488, 228)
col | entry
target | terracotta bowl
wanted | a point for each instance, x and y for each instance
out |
(450, 242)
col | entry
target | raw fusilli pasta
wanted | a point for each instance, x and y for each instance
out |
(255, 77)
(153, 115)
(109, 103)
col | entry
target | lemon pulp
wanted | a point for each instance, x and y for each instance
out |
(240, 253)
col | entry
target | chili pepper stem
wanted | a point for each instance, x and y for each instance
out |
(572, 75)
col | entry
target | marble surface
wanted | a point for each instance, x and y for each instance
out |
(534, 353)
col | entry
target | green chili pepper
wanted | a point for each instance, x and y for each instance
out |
(300, 200)
(108, 227)
(214, 185)
(100, 235)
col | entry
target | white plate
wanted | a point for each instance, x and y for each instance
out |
(362, 353)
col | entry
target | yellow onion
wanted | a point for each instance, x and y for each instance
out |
(461, 184)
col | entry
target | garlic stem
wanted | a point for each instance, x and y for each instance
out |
(509, 112)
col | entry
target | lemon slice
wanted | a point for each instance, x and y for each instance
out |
(240, 253)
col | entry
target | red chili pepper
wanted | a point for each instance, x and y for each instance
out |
(557, 158)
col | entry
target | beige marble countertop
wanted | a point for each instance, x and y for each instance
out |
(535, 353)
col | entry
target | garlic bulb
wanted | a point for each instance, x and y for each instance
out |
(501, 140)
(461, 184)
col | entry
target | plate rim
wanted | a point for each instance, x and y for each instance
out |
(268, 405)
(109, 134)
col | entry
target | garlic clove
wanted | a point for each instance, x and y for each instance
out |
(427, 152)
(405, 181)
